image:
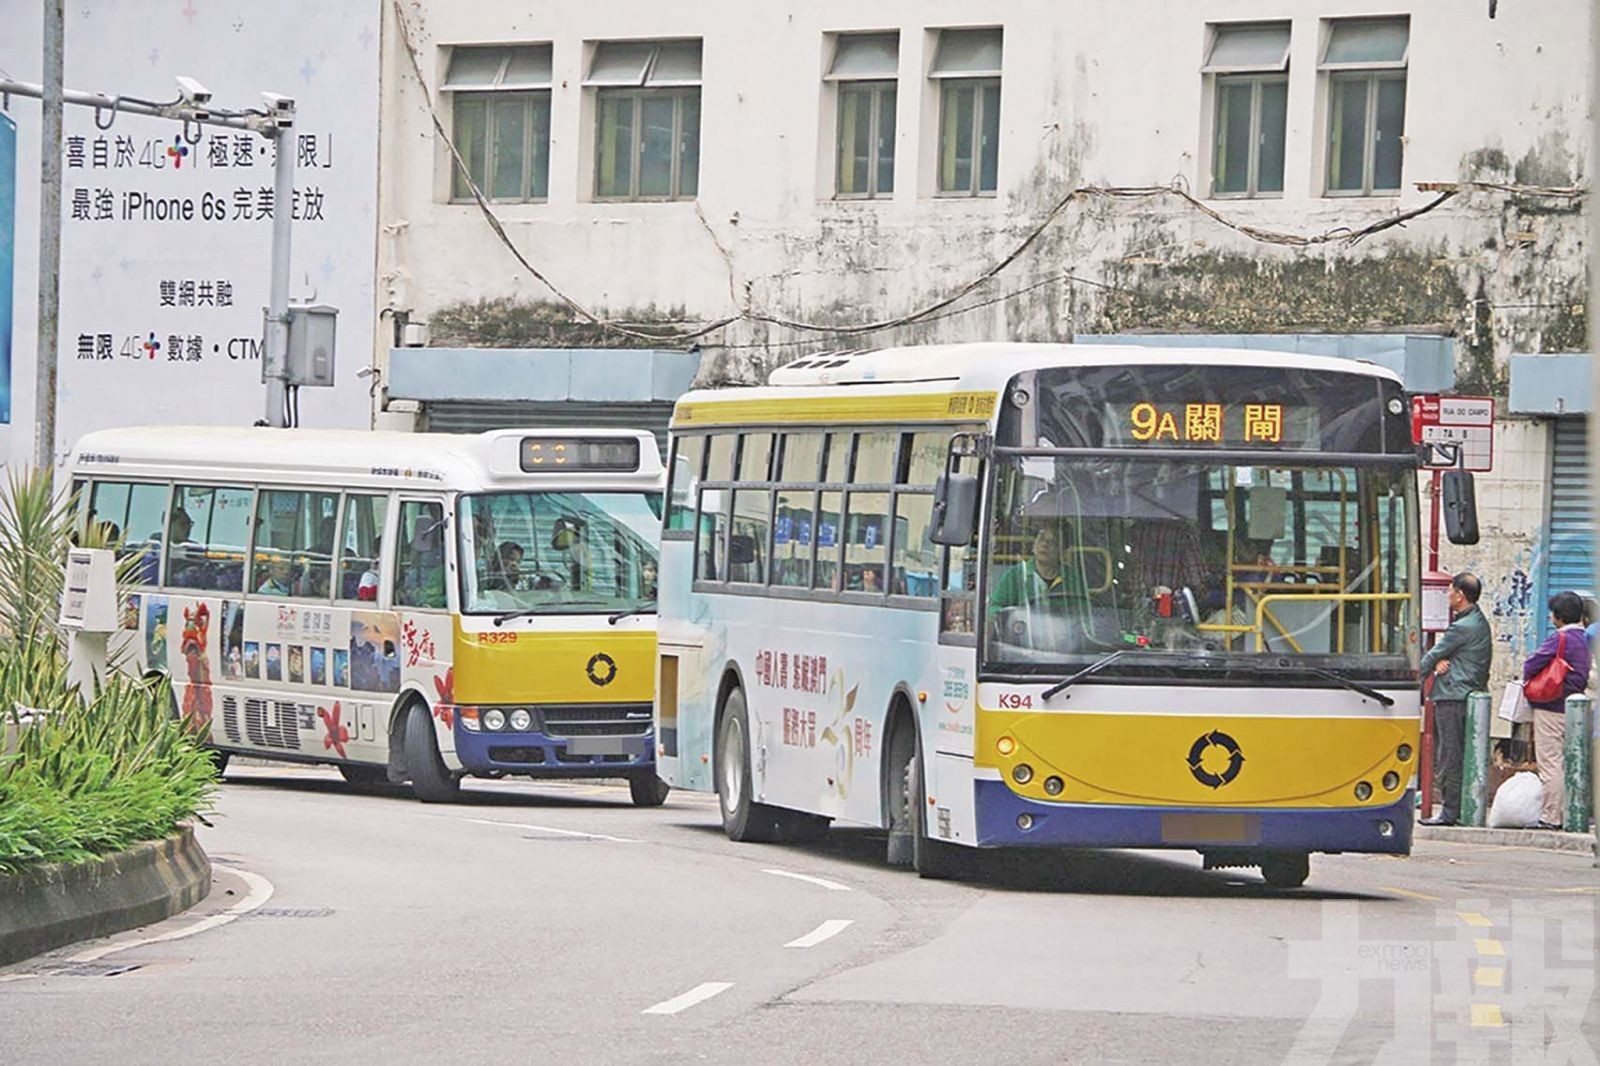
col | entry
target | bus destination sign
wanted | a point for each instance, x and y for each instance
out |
(1256, 425)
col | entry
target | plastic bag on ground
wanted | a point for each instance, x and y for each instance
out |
(1516, 803)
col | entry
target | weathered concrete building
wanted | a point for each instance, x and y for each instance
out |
(756, 180)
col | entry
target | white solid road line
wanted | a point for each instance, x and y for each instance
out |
(826, 931)
(831, 886)
(697, 994)
(551, 829)
(260, 891)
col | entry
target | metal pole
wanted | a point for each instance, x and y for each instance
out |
(1475, 761)
(51, 140)
(1425, 756)
(275, 352)
(1576, 762)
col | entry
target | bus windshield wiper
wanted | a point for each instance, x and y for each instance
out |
(643, 608)
(1340, 679)
(1093, 668)
(528, 612)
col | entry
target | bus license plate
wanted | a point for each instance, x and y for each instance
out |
(1210, 829)
(608, 745)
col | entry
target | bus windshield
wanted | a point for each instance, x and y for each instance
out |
(559, 552)
(1200, 564)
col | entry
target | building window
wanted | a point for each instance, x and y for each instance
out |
(1365, 66)
(865, 66)
(1250, 63)
(647, 133)
(967, 66)
(501, 109)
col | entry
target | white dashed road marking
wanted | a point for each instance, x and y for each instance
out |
(826, 931)
(831, 886)
(698, 994)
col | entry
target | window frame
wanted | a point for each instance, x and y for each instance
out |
(876, 89)
(252, 559)
(530, 155)
(677, 93)
(385, 548)
(1257, 82)
(975, 189)
(389, 581)
(249, 547)
(1372, 78)
(1372, 73)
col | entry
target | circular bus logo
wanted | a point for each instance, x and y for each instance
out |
(1202, 759)
(602, 668)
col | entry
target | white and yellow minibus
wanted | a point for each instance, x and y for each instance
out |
(403, 606)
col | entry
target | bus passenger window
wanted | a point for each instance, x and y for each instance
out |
(688, 459)
(294, 543)
(207, 532)
(826, 575)
(361, 546)
(419, 561)
(747, 547)
(133, 515)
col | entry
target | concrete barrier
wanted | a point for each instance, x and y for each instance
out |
(44, 907)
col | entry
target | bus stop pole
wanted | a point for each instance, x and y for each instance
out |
(1577, 759)
(1475, 761)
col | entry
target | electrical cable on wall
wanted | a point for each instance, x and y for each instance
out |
(937, 309)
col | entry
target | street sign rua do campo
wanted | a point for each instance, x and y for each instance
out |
(1458, 429)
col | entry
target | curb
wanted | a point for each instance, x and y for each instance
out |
(47, 906)
(1542, 839)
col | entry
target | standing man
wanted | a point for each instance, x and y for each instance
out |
(1459, 662)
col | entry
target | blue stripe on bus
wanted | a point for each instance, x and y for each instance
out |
(1108, 826)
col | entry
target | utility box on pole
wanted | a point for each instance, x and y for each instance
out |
(311, 345)
(89, 614)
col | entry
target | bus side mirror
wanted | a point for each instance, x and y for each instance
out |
(955, 509)
(1460, 504)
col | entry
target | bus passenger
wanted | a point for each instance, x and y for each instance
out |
(279, 578)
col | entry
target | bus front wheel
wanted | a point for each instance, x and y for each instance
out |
(931, 858)
(648, 790)
(1286, 869)
(743, 819)
(431, 780)
(363, 775)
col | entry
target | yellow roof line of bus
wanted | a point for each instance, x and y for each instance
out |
(816, 410)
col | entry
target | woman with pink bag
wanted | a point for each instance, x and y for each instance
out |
(1558, 669)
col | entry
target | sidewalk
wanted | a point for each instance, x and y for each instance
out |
(1544, 839)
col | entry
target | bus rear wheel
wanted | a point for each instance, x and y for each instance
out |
(431, 780)
(363, 775)
(1287, 869)
(743, 819)
(648, 790)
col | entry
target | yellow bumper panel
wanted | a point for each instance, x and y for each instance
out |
(533, 667)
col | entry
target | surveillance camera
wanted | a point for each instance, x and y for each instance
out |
(277, 102)
(192, 92)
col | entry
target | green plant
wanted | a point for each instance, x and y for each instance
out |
(80, 773)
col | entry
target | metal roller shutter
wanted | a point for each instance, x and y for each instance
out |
(477, 416)
(1569, 545)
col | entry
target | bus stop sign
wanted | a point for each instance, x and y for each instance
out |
(1459, 431)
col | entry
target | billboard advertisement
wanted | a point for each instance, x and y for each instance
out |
(167, 228)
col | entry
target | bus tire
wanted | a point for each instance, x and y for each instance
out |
(1286, 869)
(648, 790)
(363, 775)
(743, 819)
(933, 859)
(431, 781)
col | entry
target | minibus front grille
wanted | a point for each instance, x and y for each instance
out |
(596, 720)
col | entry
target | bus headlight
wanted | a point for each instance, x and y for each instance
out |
(1005, 745)
(468, 717)
(1403, 753)
(494, 719)
(1053, 785)
(1386, 829)
(1363, 791)
(1391, 781)
(521, 720)
(1022, 774)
